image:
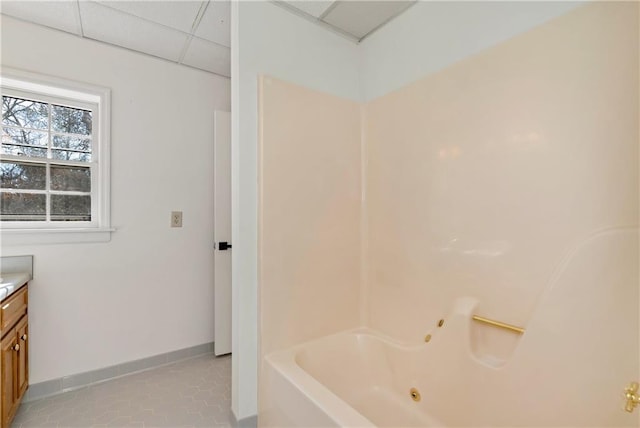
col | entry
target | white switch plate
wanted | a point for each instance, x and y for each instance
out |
(176, 218)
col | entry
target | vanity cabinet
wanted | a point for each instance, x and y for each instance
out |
(14, 357)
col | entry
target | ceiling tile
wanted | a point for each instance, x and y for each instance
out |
(111, 26)
(215, 24)
(175, 14)
(313, 7)
(208, 56)
(359, 18)
(62, 15)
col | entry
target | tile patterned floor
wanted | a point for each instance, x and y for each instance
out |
(189, 393)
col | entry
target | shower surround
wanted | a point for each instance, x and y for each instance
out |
(509, 180)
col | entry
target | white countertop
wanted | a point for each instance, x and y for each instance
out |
(10, 282)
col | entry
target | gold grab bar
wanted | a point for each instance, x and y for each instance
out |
(499, 324)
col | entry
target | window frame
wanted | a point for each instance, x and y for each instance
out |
(53, 90)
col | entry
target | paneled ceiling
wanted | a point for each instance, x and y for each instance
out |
(355, 19)
(192, 33)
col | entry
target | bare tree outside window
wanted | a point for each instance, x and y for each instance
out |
(45, 171)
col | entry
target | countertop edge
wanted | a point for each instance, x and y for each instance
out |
(12, 283)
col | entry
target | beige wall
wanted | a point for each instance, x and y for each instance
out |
(444, 32)
(309, 220)
(481, 177)
(510, 178)
(309, 214)
(479, 180)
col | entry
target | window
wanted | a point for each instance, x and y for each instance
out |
(53, 156)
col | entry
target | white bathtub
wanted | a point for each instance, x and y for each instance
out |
(356, 378)
(361, 378)
(568, 369)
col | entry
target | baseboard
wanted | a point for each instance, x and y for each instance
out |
(81, 380)
(248, 422)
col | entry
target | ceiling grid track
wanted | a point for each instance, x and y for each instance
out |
(185, 48)
(316, 20)
(342, 17)
(385, 22)
(196, 22)
(150, 21)
(201, 12)
(79, 18)
(328, 11)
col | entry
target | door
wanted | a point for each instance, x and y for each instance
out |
(22, 369)
(8, 362)
(222, 232)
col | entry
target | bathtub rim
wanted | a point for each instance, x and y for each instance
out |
(341, 412)
(285, 364)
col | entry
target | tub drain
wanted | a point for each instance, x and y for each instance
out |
(415, 395)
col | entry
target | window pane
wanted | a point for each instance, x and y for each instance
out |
(24, 113)
(72, 143)
(70, 208)
(22, 207)
(71, 156)
(24, 136)
(32, 152)
(18, 175)
(71, 178)
(70, 120)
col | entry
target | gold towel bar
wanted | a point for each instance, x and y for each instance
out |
(499, 324)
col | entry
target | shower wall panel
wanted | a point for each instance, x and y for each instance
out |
(309, 214)
(481, 177)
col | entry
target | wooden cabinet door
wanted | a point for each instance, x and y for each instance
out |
(2, 404)
(8, 361)
(22, 369)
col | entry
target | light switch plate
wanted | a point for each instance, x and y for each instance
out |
(176, 218)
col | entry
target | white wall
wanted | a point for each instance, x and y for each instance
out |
(267, 39)
(149, 290)
(434, 34)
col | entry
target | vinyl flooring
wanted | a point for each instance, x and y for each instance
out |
(190, 393)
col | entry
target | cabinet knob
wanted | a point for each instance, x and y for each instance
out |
(24, 337)
(16, 347)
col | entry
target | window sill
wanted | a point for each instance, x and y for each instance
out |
(10, 237)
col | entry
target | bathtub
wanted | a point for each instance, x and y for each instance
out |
(568, 369)
(351, 379)
(362, 378)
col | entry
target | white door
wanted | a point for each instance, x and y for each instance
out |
(222, 232)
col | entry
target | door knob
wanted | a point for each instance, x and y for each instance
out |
(16, 347)
(223, 246)
(632, 397)
(24, 337)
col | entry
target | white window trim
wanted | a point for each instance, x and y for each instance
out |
(100, 229)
